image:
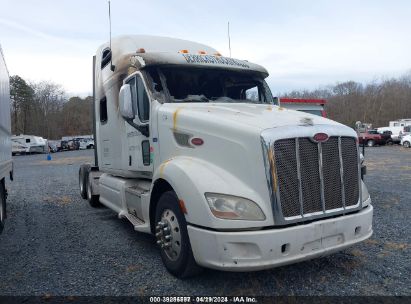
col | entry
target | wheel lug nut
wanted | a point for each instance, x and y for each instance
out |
(159, 242)
(168, 237)
(159, 234)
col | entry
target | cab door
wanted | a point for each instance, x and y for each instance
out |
(138, 143)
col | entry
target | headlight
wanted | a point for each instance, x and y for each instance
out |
(234, 207)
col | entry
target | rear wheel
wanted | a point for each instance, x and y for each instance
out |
(82, 179)
(407, 144)
(2, 205)
(172, 237)
(370, 143)
(94, 200)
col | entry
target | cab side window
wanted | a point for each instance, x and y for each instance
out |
(140, 98)
(105, 58)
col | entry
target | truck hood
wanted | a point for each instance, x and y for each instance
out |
(251, 116)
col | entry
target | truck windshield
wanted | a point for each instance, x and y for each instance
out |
(212, 85)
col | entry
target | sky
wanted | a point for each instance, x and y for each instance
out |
(302, 44)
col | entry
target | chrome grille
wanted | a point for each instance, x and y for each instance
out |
(287, 165)
(332, 177)
(314, 178)
(310, 176)
(351, 186)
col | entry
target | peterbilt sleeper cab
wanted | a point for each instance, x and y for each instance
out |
(190, 147)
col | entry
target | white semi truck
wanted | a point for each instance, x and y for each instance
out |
(190, 147)
(6, 163)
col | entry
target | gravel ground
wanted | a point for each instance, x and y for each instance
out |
(55, 244)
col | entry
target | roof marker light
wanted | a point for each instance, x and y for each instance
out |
(217, 54)
(140, 50)
(202, 52)
(184, 52)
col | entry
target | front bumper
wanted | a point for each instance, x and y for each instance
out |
(262, 249)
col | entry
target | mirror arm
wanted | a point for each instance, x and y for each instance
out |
(142, 129)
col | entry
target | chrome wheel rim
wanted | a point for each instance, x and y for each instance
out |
(168, 234)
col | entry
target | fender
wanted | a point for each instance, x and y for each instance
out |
(191, 178)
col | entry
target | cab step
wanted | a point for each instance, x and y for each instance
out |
(135, 221)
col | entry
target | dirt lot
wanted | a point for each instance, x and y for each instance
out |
(55, 244)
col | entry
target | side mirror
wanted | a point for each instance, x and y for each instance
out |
(126, 102)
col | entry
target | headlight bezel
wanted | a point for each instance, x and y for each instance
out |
(232, 207)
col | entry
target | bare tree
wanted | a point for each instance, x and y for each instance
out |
(377, 102)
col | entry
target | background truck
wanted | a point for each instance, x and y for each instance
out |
(6, 163)
(190, 147)
(398, 128)
(307, 105)
(373, 137)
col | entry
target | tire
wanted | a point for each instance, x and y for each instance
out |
(370, 143)
(82, 178)
(390, 142)
(2, 205)
(178, 258)
(94, 200)
(406, 144)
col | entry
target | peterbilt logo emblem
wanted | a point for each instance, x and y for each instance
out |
(320, 137)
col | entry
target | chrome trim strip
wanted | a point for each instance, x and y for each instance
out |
(273, 193)
(300, 187)
(320, 168)
(277, 189)
(341, 171)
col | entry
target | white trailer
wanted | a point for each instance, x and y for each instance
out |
(397, 129)
(6, 163)
(223, 178)
(33, 144)
(400, 122)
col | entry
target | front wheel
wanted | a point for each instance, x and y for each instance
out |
(172, 237)
(407, 144)
(94, 200)
(370, 143)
